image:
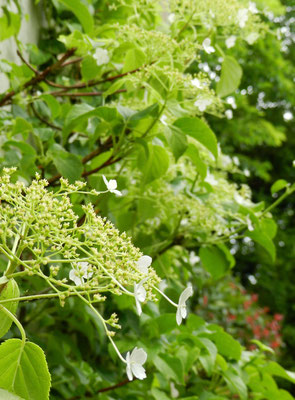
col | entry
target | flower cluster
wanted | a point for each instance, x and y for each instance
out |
(44, 228)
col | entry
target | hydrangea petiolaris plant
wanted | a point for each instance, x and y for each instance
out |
(41, 235)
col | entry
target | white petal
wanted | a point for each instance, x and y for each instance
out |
(230, 41)
(82, 266)
(188, 292)
(138, 371)
(183, 311)
(112, 184)
(138, 306)
(88, 275)
(178, 316)
(117, 192)
(105, 181)
(143, 263)
(128, 367)
(196, 82)
(138, 356)
(140, 293)
(75, 277)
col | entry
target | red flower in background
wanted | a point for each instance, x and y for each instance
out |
(278, 317)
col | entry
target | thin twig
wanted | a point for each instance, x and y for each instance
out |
(106, 389)
(90, 83)
(101, 149)
(83, 94)
(39, 77)
(37, 115)
(76, 60)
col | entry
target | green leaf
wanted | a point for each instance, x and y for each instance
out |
(114, 87)
(214, 261)
(89, 68)
(4, 395)
(80, 113)
(269, 227)
(274, 368)
(166, 322)
(235, 383)
(159, 395)
(53, 104)
(230, 258)
(77, 114)
(134, 59)
(193, 153)
(155, 165)
(278, 185)
(177, 141)
(227, 345)
(23, 370)
(21, 126)
(231, 74)
(150, 111)
(262, 346)
(10, 291)
(9, 24)
(200, 131)
(208, 354)
(260, 237)
(81, 12)
(170, 367)
(211, 396)
(68, 165)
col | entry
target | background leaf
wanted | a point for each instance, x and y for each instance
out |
(27, 374)
(231, 74)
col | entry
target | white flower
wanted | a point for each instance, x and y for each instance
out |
(193, 258)
(252, 7)
(174, 391)
(230, 41)
(79, 273)
(242, 17)
(249, 224)
(171, 18)
(241, 200)
(207, 46)
(203, 103)
(197, 83)
(101, 56)
(252, 37)
(231, 101)
(143, 263)
(139, 294)
(229, 114)
(210, 178)
(163, 119)
(111, 186)
(236, 160)
(135, 360)
(181, 308)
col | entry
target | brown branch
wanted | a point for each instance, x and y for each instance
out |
(101, 149)
(39, 77)
(107, 163)
(120, 384)
(83, 94)
(76, 60)
(64, 93)
(37, 115)
(92, 82)
(27, 63)
(106, 389)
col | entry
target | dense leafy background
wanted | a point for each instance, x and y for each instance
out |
(68, 113)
